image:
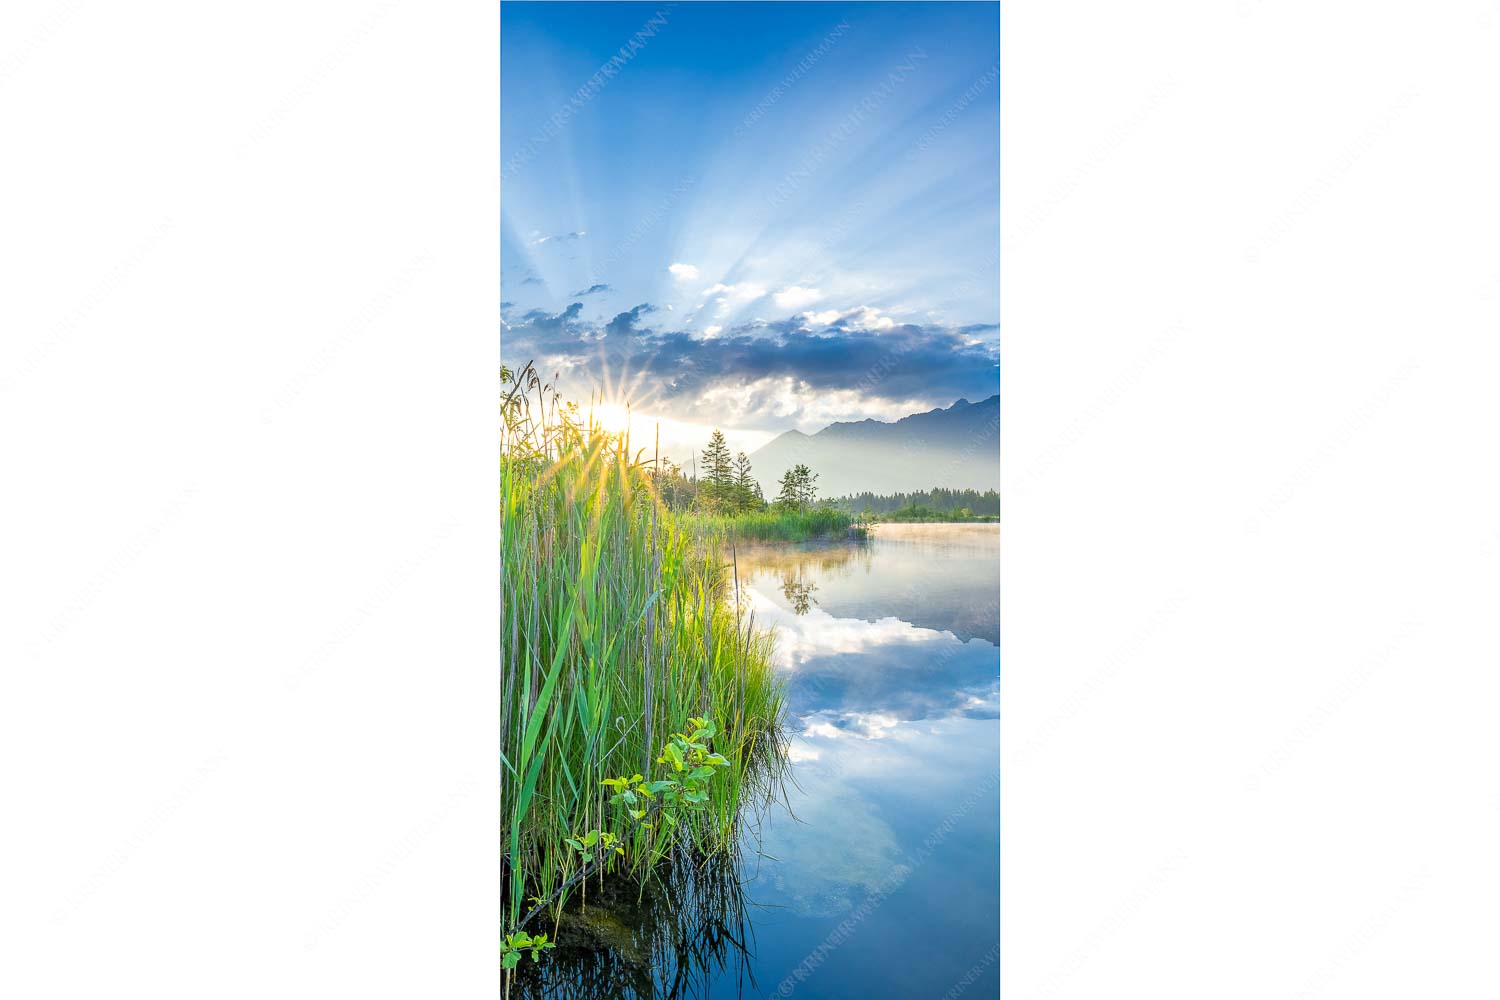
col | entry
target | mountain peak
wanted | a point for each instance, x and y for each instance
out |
(956, 447)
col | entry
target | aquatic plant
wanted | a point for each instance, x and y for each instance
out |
(513, 946)
(618, 624)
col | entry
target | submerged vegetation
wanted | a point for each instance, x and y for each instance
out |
(639, 712)
(671, 936)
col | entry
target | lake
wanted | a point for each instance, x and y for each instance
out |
(878, 875)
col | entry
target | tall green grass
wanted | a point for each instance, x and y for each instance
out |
(779, 526)
(619, 624)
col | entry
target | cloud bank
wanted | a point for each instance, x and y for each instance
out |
(770, 373)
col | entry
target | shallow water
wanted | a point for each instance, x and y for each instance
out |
(879, 877)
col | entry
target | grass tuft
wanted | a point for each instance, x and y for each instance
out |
(619, 625)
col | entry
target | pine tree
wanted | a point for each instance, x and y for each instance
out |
(718, 477)
(745, 486)
(807, 487)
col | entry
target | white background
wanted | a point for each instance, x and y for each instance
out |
(248, 568)
(249, 265)
(1252, 283)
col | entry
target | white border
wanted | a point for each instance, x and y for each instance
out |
(248, 374)
(1251, 288)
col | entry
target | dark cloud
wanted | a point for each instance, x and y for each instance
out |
(540, 323)
(623, 325)
(906, 362)
(593, 290)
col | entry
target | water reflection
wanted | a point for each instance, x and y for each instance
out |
(893, 825)
(943, 577)
(798, 591)
(890, 828)
(684, 929)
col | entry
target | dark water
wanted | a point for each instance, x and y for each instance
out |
(879, 877)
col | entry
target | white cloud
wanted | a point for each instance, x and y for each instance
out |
(683, 272)
(858, 318)
(868, 318)
(796, 297)
(712, 331)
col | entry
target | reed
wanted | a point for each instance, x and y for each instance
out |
(619, 625)
(779, 526)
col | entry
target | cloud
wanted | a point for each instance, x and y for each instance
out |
(538, 239)
(859, 318)
(539, 326)
(683, 272)
(623, 325)
(796, 297)
(593, 290)
(865, 318)
(774, 371)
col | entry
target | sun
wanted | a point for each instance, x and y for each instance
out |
(613, 417)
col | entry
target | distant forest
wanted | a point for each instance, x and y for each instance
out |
(986, 502)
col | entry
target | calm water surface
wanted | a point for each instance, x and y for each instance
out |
(879, 875)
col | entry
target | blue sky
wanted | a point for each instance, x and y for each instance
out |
(758, 216)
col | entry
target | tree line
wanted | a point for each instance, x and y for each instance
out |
(724, 483)
(937, 499)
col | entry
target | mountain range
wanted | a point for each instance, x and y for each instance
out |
(957, 447)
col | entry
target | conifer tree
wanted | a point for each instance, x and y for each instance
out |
(745, 486)
(717, 486)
